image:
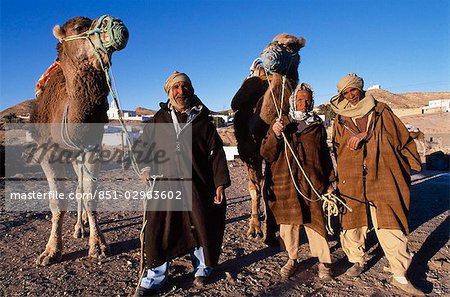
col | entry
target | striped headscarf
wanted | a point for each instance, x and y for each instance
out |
(173, 79)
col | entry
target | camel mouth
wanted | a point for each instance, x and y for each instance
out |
(277, 57)
(116, 33)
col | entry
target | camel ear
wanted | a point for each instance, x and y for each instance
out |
(301, 42)
(58, 32)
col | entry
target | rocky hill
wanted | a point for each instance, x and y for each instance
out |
(399, 101)
(23, 108)
(407, 100)
(144, 111)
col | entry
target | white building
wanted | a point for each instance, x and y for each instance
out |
(374, 87)
(127, 115)
(440, 105)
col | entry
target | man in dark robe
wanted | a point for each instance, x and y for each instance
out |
(169, 234)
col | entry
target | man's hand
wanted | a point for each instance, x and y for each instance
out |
(145, 176)
(355, 140)
(220, 193)
(330, 190)
(278, 127)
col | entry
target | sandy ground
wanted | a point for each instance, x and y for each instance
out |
(429, 123)
(247, 266)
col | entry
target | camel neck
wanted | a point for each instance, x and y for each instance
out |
(87, 90)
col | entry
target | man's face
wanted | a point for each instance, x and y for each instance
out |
(182, 93)
(303, 101)
(352, 95)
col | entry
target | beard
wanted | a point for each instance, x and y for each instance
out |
(180, 103)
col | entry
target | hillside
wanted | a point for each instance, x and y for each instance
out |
(144, 111)
(429, 122)
(407, 100)
(396, 101)
(423, 97)
(23, 108)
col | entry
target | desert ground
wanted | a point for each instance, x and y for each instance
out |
(247, 266)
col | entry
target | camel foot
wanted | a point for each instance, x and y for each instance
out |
(99, 250)
(84, 219)
(48, 257)
(79, 232)
(254, 227)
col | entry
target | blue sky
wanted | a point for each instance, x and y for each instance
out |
(402, 45)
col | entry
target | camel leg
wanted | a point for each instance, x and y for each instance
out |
(98, 248)
(254, 187)
(53, 249)
(270, 226)
(79, 231)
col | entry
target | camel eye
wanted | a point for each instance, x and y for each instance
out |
(79, 28)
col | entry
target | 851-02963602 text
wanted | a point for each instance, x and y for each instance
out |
(140, 195)
(100, 194)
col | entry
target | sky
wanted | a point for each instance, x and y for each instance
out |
(402, 45)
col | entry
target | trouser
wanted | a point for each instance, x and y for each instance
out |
(393, 242)
(318, 245)
(157, 276)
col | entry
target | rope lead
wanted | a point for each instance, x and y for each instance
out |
(150, 187)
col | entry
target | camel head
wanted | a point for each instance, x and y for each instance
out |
(82, 39)
(281, 56)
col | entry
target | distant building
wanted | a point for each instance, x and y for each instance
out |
(224, 117)
(374, 87)
(440, 105)
(127, 115)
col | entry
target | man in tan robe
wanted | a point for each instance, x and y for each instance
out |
(291, 198)
(374, 155)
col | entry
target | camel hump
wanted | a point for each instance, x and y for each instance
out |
(249, 93)
(247, 122)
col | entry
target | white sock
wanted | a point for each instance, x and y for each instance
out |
(401, 279)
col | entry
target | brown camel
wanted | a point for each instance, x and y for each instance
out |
(74, 91)
(255, 110)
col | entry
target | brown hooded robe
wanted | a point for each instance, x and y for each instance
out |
(310, 147)
(388, 154)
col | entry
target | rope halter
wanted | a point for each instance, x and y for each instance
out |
(115, 34)
(277, 57)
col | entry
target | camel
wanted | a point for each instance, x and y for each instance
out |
(255, 105)
(72, 92)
